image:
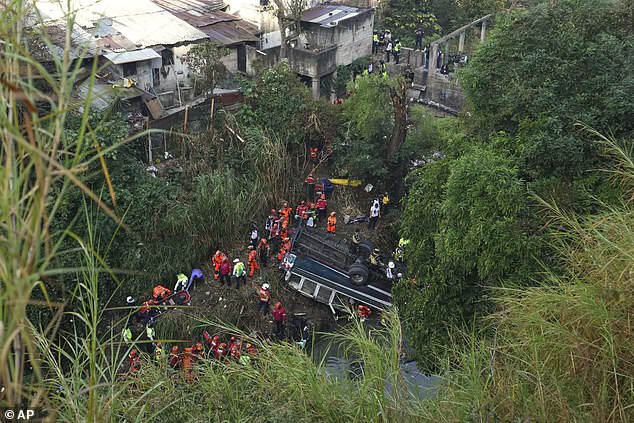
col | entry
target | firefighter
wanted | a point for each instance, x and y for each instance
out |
(364, 312)
(264, 249)
(221, 351)
(375, 257)
(159, 353)
(279, 316)
(265, 297)
(217, 261)
(198, 352)
(314, 151)
(175, 358)
(310, 187)
(321, 205)
(186, 360)
(234, 350)
(332, 223)
(270, 220)
(301, 209)
(285, 211)
(253, 263)
(225, 272)
(160, 292)
(285, 248)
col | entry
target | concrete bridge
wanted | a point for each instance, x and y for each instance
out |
(431, 85)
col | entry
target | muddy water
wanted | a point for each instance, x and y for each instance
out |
(338, 367)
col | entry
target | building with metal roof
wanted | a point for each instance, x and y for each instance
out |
(331, 35)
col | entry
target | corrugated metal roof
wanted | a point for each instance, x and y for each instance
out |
(199, 6)
(132, 56)
(228, 33)
(331, 14)
(141, 21)
(222, 28)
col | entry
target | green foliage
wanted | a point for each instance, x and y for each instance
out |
(345, 74)
(205, 61)
(546, 68)
(434, 17)
(369, 112)
(281, 103)
(468, 224)
(282, 383)
(561, 350)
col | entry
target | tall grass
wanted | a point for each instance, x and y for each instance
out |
(563, 351)
(41, 164)
(283, 384)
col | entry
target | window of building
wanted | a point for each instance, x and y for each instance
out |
(129, 69)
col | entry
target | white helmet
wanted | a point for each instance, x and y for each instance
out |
(129, 300)
(391, 265)
(265, 286)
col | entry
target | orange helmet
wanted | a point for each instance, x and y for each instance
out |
(263, 240)
(134, 352)
(360, 307)
(216, 338)
(217, 252)
(223, 345)
(250, 247)
(174, 349)
(198, 346)
(333, 213)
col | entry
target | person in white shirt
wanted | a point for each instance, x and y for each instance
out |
(375, 213)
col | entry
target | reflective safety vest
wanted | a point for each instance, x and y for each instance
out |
(264, 295)
(397, 47)
(238, 270)
(127, 334)
(375, 38)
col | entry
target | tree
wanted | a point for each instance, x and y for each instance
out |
(468, 222)
(545, 69)
(205, 61)
(289, 13)
(377, 112)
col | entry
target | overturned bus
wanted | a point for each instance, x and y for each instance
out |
(332, 271)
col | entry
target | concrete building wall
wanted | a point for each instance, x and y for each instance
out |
(352, 37)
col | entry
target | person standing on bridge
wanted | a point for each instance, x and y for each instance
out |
(375, 42)
(418, 36)
(397, 50)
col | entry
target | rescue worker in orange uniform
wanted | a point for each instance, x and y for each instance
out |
(284, 248)
(301, 209)
(332, 223)
(286, 211)
(264, 250)
(253, 262)
(221, 351)
(217, 261)
(186, 360)
(160, 293)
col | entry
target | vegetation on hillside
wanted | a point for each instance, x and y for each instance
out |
(471, 214)
(519, 221)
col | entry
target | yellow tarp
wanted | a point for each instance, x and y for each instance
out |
(347, 182)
